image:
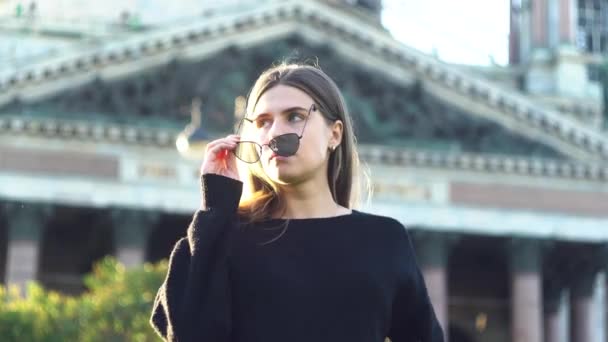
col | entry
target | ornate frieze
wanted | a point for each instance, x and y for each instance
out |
(516, 107)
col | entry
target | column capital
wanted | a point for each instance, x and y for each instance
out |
(584, 269)
(25, 220)
(555, 279)
(552, 291)
(120, 215)
(602, 255)
(575, 266)
(583, 275)
(432, 247)
(525, 254)
(131, 227)
(584, 283)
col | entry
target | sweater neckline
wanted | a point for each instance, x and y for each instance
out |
(315, 219)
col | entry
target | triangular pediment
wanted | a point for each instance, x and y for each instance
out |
(397, 95)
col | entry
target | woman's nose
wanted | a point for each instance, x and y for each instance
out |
(276, 129)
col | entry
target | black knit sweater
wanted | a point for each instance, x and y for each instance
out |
(347, 278)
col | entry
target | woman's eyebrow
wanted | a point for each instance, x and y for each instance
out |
(284, 111)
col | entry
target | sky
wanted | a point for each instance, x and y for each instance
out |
(462, 31)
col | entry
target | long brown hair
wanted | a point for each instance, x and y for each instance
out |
(261, 197)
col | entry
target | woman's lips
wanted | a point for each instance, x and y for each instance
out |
(276, 157)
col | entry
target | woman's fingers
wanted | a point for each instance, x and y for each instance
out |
(217, 158)
(221, 146)
(230, 138)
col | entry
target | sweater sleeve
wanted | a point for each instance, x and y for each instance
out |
(413, 317)
(193, 303)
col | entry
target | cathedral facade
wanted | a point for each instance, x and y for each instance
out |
(501, 176)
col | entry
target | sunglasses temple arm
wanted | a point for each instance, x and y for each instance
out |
(305, 123)
(238, 128)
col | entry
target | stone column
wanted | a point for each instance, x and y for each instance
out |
(526, 291)
(539, 79)
(539, 23)
(553, 22)
(602, 292)
(515, 33)
(525, 31)
(556, 325)
(25, 229)
(131, 230)
(582, 310)
(432, 250)
(567, 22)
(599, 306)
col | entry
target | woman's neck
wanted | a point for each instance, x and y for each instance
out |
(306, 200)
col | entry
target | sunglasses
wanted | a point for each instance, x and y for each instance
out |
(284, 145)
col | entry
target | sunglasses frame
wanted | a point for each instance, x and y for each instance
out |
(272, 144)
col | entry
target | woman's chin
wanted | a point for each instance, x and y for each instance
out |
(281, 173)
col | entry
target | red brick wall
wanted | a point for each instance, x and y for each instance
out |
(55, 163)
(530, 198)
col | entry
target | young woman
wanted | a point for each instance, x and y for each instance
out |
(275, 252)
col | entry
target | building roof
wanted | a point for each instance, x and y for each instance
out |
(364, 43)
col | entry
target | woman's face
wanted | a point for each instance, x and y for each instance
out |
(284, 109)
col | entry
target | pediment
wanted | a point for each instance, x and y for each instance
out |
(398, 96)
(385, 112)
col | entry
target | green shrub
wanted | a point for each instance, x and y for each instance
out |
(116, 307)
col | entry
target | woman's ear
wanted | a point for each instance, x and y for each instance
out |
(337, 130)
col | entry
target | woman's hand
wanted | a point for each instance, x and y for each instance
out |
(219, 159)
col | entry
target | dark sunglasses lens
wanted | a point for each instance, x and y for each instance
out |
(248, 152)
(286, 145)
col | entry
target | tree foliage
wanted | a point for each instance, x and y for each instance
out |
(116, 307)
